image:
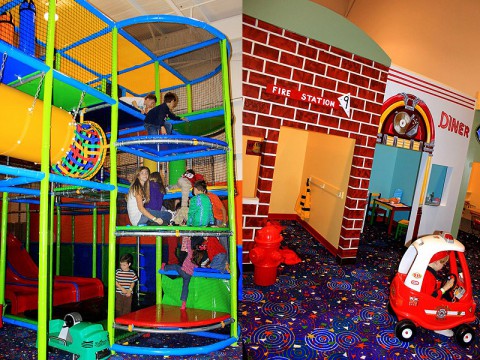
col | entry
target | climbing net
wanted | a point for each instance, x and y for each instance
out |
(87, 152)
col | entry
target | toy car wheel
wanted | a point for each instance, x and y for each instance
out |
(390, 309)
(405, 330)
(464, 335)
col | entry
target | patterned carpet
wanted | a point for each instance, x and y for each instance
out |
(318, 309)
(19, 343)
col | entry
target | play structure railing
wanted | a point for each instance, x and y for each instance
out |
(65, 71)
(25, 176)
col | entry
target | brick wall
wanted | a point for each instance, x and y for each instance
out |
(272, 55)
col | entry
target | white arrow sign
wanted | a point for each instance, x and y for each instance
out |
(344, 102)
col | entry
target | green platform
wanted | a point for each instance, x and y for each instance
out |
(206, 294)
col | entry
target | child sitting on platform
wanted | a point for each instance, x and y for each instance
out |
(139, 195)
(185, 184)
(220, 215)
(200, 212)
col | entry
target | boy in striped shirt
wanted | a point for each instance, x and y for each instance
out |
(125, 279)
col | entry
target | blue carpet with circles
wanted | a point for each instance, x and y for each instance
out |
(318, 309)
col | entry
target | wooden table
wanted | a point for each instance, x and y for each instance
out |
(393, 208)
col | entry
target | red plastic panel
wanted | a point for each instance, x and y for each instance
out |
(158, 316)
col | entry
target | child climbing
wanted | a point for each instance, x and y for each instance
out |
(156, 117)
(215, 252)
(185, 270)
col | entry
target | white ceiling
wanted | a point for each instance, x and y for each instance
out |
(204, 10)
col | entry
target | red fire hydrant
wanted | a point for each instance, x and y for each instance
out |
(265, 255)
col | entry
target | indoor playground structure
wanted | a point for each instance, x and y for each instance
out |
(72, 147)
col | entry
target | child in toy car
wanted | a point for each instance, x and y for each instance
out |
(435, 285)
(413, 307)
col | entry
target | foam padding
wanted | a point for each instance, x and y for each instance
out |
(207, 294)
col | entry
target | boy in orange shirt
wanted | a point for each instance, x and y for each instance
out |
(220, 215)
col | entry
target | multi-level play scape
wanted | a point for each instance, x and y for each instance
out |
(72, 146)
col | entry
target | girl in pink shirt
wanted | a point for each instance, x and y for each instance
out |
(185, 270)
(215, 251)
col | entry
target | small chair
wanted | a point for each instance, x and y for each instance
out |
(402, 227)
(475, 223)
(379, 212)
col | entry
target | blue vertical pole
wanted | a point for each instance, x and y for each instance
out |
(26, 32)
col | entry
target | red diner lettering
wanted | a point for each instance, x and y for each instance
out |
(443, 120)
(453, 125)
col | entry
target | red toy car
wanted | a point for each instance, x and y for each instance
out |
(414, 308)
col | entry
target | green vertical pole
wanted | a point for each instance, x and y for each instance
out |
(189, 98)
(104, 85)
(27, 237)
(177, 168)
(114, 193)
(230, 186)
(50, 255)
(3, 252)
(59, 241)
(104, 275)
(158, 276)
(72, 245)
(94, 244)
(156, 66)
(58, 58)
(42, 330)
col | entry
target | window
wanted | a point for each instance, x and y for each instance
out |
(436, 185)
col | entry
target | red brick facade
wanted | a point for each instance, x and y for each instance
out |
(272, 55)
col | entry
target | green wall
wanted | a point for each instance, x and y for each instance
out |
(317, 22)
(473, 155)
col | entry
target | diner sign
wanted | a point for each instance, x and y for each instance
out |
(343, 101)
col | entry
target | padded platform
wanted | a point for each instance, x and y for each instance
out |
(163, 316)
(22, 282)
(24, 297)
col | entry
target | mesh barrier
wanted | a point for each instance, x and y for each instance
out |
(208, 94)
(164, 38)
(76, 54)
(83, 51)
